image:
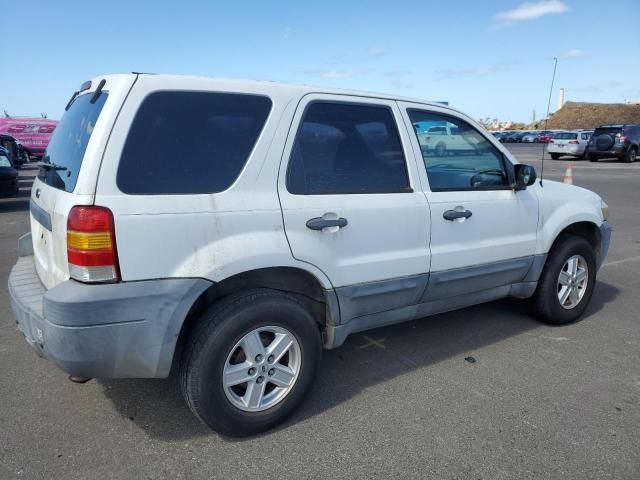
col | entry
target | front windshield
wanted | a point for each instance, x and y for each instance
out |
(4, 161)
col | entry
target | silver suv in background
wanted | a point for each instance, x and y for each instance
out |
(572, 143)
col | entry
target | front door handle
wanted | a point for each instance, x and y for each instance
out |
(319, 223)
(455, 214)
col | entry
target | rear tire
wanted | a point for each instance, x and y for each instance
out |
(593, 158)
(555, 156)
(222, 339)
(556, 280)
(630, 156)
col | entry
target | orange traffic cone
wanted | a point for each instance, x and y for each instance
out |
(568, 175)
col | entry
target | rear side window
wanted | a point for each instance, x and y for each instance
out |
(69, 142)
(566, 136)
(613, 131)
(344, 148)
(190, 142)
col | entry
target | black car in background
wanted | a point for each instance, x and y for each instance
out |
(614, 141)
(8, 174)
(15, 153)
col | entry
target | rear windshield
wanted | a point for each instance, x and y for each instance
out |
(190, 142)
(69, 142)
(607, 131)
(565, 136)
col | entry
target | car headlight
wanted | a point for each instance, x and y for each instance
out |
(605, 209)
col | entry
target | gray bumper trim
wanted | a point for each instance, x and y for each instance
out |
(605, 241)
(121, 330)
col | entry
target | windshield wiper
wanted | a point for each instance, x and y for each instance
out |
(51, 166)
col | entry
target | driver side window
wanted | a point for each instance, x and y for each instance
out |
(459, 157)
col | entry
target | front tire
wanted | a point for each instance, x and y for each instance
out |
(567, 281)
(250, 361)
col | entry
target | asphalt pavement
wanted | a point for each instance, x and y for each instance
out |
(482, 393)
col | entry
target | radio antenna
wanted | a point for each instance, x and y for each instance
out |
(553, 77)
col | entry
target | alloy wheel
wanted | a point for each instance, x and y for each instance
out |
(262, 368)
(572, 281)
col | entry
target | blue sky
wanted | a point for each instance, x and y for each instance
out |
(488, 58)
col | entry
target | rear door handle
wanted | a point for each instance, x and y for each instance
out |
(455, 214)
(319, 223)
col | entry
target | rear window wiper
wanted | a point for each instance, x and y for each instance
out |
(73, 97)
(51, 166)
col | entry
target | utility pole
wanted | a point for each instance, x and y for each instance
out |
(533, 118)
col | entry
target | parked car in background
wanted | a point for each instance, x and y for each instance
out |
(312, 213)
(569, 143)
(517, 137)
(531, 137)
(508, 137)
(14, 150)
(544, 137)
(8, 174)
(614, 141)
(33, 133)
(442, 139)
(25, 154)
(503, 136)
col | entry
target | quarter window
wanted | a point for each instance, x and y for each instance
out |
(344, 148)
(458, 157)
(190, 142)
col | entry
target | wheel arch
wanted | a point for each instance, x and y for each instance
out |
(322, 302)
(586, 229)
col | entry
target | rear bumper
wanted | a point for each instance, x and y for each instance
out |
(612, 153)
(568, 150)
(124, 330)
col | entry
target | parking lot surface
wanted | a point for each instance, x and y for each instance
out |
(485, 392)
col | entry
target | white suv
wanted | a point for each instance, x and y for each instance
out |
(233, 228)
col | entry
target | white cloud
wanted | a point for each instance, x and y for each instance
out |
(573, 53)
(287, 33)
(376, 52)
(398, 73)
(477, 71)
(528, 11)
(596, 87)
(332, 73)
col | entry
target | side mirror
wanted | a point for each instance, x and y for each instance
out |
(525, 176)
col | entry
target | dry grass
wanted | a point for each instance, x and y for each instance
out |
(591, 115)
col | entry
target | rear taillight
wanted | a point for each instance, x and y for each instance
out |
(91, 245)
(573, 142)
(622, 139)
